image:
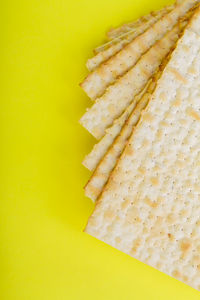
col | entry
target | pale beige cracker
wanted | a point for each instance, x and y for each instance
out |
(118, 96)
(92, 159)
(109, 49)
(150, 208)
(118, 31)
(99, 150)
(98, 80)
(102, 172)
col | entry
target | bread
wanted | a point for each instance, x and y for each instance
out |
(99, 150)
(118, 96)
(107, 50)
(150, 206)
(125, 28)
(98, 80)
(102, 172)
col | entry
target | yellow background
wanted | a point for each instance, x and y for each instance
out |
(44, 253)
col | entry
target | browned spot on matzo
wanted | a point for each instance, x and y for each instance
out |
(195, 115)
(178, 76)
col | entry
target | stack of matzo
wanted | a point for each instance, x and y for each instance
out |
(145, 83)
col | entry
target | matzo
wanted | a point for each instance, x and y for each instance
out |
(97, 81)
(150, 208)
(99, 150)
(118, 96)
(109, 49)
(92, 159)
(102, 172)
(118, 31)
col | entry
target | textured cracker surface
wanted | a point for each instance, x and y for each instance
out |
(92, 159)
(150, 207)
(99, 150)
(118, 96)
(109, 49)
(97, 81)
(101, 174)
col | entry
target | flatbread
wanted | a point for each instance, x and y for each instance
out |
(118, 96)
(99, 150)
(102, 172)
(111, 48)
(150, 208)
(98, 80)
(92, 159)
(118, 31)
